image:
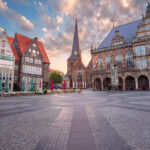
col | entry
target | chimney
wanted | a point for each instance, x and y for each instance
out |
(36, 39)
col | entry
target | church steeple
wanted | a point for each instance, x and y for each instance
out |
(76, 53)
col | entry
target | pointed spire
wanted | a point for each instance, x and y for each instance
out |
(76, 47)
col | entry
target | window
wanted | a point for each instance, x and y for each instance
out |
(16, 67)
(148, 49)
(79, 77)
(100, 63)
(29, 50)
(15, 78)
(39, 62)
(108, 61)
(147, 27)
(142, 64)
(2, 51)
(129, 60)
(27, 59)
(119, 60)
(141, 35)
(147, 21)
(140, 50)
(118, 43)
(34, 45)
(3, 43)
(38, 52)
(31, 60)
(10, 77)
(34, 51)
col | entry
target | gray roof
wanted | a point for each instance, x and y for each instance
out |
(76, 46)
(127, 31)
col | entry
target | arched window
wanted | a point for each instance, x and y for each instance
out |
(79, 77)
(129, 60)
(100, 60)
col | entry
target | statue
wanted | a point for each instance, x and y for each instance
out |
(114, 77)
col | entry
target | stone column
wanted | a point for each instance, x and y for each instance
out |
(136, 83)
(124, 84)
(85, 85)
(102, 84)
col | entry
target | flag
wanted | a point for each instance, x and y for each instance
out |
(51, 84)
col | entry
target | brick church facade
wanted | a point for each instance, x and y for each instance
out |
(128, 47)
(76, 70)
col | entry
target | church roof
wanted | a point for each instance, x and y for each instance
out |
(76, 46)
(127, 31)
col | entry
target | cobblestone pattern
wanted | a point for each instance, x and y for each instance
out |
(133, 125)
(47, 127)
(105, 135)
(58, 132)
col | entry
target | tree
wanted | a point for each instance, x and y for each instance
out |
(56, 77)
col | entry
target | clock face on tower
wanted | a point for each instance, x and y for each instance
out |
(75, 52)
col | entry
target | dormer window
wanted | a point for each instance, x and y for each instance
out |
(38, 52)
(34, 45)
(29, 50)
(34, 51)
(117, 43)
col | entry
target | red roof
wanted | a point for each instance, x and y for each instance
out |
(24, 43)
(10, 40)
(43, 52)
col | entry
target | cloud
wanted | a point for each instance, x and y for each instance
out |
(44, 29)
(22, 21)
(59, 20)
(94, 22)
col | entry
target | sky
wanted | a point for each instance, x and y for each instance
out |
(53, 21)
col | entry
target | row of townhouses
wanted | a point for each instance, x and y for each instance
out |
(24, 64)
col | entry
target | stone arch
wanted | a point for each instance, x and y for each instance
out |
(107, 83)
(120, 83)
(97, 84)
(130, 83)
(143, 82)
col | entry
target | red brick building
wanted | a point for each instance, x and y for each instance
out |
(76, 70)
(128, 47)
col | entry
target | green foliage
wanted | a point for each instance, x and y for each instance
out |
(45, 91)
(56, 77)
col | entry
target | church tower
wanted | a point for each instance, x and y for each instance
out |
(75, 68)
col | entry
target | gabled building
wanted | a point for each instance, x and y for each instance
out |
(76, 70)
(33, 63)
(7, 63)
(128, 47)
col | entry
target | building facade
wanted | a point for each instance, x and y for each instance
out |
(128, 47)
(76, 70)
(7, 63)
(32, 66)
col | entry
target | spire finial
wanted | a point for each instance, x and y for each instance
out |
(91, 47)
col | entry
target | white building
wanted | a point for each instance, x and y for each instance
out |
(7, 63)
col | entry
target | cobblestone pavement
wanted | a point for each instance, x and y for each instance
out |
(86, 121)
